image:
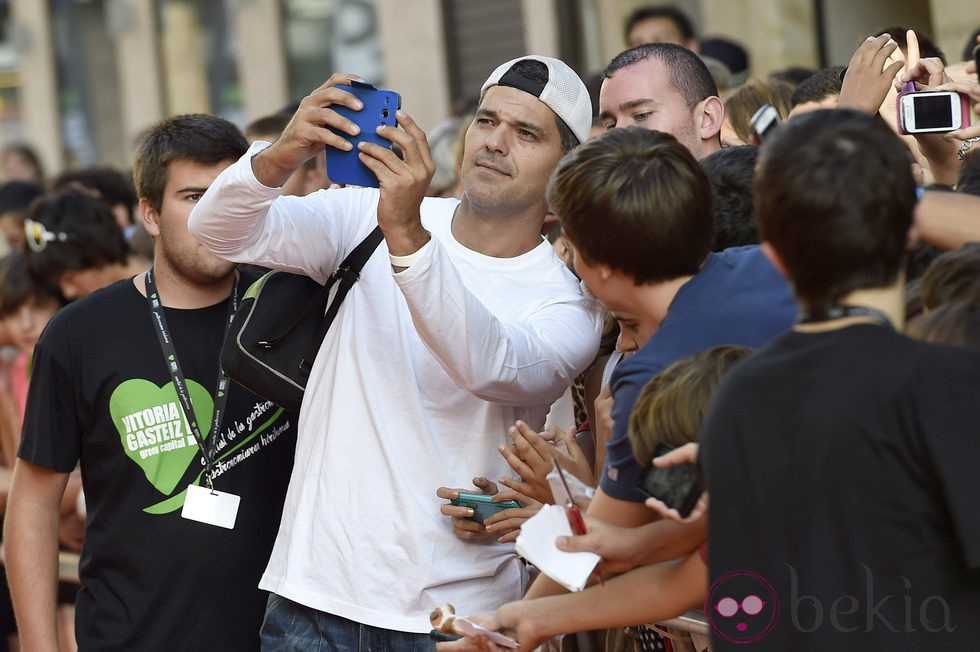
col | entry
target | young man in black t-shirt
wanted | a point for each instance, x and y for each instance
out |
(841, 459)
(126, 382)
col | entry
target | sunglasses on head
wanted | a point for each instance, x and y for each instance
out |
(38, 236)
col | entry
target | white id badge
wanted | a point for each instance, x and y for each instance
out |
(211, 507)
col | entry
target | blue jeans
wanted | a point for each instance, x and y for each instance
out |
(292, 627)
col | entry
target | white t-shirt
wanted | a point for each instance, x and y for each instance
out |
(414, 388)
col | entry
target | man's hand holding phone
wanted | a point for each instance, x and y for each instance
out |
(403, 181)
(306, 136)
(470, 509)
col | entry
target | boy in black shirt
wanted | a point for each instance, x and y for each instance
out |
(841, 459)
(110, 378)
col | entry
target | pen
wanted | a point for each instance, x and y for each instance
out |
(571, 509)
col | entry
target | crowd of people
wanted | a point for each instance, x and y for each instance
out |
(760, 278)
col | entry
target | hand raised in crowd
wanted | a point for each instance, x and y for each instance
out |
(602, 428)
(530, 455)
(941, 149)
(306, 134)
(868, 78)
(969, 86)
(686, 454)
(572, 458)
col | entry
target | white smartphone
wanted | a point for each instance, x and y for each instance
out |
(932, 112)
(765, 120)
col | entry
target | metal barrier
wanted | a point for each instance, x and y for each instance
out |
(694, 621)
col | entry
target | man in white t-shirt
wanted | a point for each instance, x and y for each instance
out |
(462, 321)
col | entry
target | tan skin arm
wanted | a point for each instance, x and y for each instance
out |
(31, 551)
(625, 536)
(646, 594)
(948, 220)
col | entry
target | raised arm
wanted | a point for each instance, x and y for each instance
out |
(242, 217)
(527, 361)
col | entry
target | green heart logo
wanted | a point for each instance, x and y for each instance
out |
(153, 430)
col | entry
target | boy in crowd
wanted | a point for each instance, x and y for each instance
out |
(126, 383)
(841, 459)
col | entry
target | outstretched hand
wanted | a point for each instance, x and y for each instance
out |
(868, 78)
(530, 456)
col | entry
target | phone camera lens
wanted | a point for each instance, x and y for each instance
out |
(384, 114)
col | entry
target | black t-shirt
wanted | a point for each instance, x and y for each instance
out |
(101, 393)
(844, 475)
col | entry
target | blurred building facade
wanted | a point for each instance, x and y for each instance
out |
(80, 80)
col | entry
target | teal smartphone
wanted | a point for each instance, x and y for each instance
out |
(379, 109)
(482, 505)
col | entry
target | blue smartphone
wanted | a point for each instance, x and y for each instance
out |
(379, 109)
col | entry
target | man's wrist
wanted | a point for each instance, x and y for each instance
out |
(405, 252)
(410, 259)
(267, 171)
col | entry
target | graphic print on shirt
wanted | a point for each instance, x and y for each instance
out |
(155, 435)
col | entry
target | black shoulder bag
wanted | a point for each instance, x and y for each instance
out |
(280, 325)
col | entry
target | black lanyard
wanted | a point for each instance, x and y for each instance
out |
(177, 375)
(839, 312)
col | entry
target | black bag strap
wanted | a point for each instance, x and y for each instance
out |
(347, 273)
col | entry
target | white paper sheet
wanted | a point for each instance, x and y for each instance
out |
(536, 543)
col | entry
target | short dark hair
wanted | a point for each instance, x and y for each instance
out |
(953, 276)
(673, 14)
(537, 71)
(204, 139)
(18, 287)
(956, 323)
(274, 125)
(109, 183)
(822, 84)
(971, 42)
(730, 172)
(26, 152)
(834, 196)
(688, 74)
(267, 124)
(672, 405)
(793, 75)
(89, 236)
(969, 178)
(16, 196)
(637, 201)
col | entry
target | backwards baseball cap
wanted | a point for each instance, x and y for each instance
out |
(563, 91)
